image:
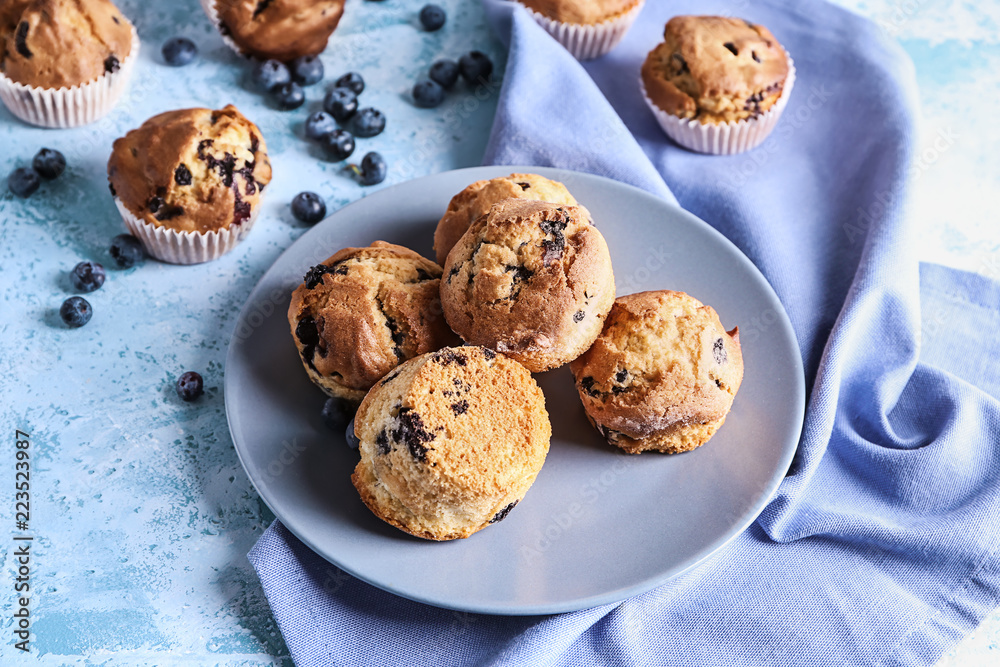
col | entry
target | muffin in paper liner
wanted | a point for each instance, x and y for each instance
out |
(724, 138)
(69, 107)
(180, 247)
(586, 41)
(213, 16)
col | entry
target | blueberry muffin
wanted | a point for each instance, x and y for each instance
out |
(715, 69)
(362, 312)
(587, 28)
(279, 29)
(532, 280)
(662, 375)
(477, 199)
(581, 12)
(450, 442)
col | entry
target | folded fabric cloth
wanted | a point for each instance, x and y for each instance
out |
(881, 546)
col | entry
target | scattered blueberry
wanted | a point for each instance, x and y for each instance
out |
(432, 17)
(427, 94)
(339, 144)
(337, 413)
(288, 96)
(475, 66)
(307, 70)
(319, 123)
(75, 311)
(23, 181)
(87, 276)
(445, 73)
(49, 163)
(351, 80)
(270, 74)
(308, 207)
(368, 122)
(126, 251)
(179, 51)
(353, 441)
(190, 386)
(341, 103)
(373, 169)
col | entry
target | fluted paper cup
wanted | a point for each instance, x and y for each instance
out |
(586, 41)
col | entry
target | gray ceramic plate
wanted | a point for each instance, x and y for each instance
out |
(598, 525)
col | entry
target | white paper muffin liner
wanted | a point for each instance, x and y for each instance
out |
(725, 138)
(213, 16)
(69, 107)
(168, 245)
(586, 41)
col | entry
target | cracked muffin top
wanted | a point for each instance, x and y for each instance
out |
(715, 69)
(191, 170)
(360, 313)
(587, 12)
(279, 29)
(62, 43)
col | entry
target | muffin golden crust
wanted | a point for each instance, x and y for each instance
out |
(715, 69)
(62, 43)
(279, 29)
(586, 12)
(532, 280)
(662, 375)
(363, 311)
(476, 200)
(191, 170)
(450, 442)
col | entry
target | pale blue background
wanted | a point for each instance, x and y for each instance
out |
(141, 512)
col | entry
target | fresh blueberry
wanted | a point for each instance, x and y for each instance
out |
(432, 17)
(353, 441)
(49, 163)
(179, 51)
(308, 207)
(427, 94)
(23, 181)
(339, 144)
(373, 169)
(445, 73)
(288, 96)
(368, 122)
(270, 74)
(75, 311)
(319, 123)
(126, 251)
(341, 103)
(337, 412)
(307, 70)
(351, 80)
(190, 386)
(87, 276)
(475, 66)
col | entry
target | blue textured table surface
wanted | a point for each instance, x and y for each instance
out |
(140, 512)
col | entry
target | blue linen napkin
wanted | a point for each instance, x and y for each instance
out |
(881, 546)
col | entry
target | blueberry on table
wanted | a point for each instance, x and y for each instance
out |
(190, 386)
(351, 80)
(339, 144)
(75, 311)
(444, 73)
(179, 51)
(87, 276)
(337, 413)
(49, 163)
(432, 17)
(475, 66)
(341, 103)
(289, 96)
(23, 181)
(270, 74)
(353, 441)
(373, 169)
(308, 207)
(307, 70)
(427, 94)
(318, 124)
(126, 251)
(368, 122)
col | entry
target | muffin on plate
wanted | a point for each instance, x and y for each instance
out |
(63, 63)
(717, 84)
(278, 29)
(662, 375)
(587, 28)
(189, 182)
(450, 442)
(362, 312)
(532, 280)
